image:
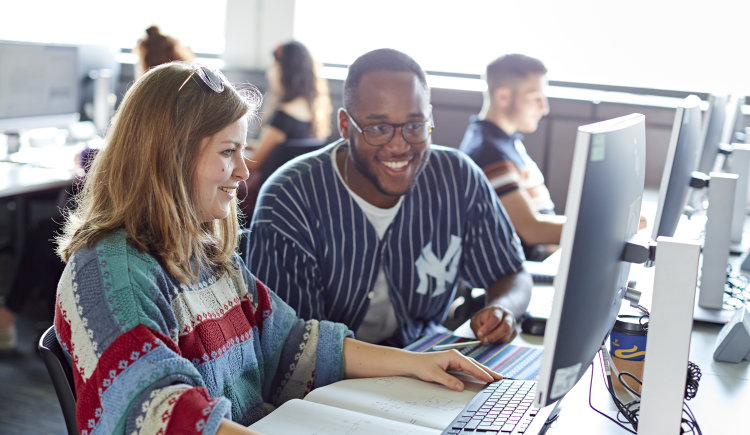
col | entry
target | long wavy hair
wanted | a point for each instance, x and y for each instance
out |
(300, 77)
(142, 179)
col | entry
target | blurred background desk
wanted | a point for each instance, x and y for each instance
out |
(44, 172)
(20, 179)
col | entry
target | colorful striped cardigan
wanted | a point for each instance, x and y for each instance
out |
(151, 355)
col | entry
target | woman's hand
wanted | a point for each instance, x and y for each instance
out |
(434, 367)
(365, 360)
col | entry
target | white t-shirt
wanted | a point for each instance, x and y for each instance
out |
(380, 320)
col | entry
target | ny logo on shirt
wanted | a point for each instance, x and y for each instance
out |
(443, 270)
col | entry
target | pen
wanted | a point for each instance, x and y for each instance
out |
(455, 345)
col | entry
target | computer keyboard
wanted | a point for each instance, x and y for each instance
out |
(502, 407)
(542, 278)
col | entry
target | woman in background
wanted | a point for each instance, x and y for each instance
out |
(298, 104)
(167, 330)
(155, 49)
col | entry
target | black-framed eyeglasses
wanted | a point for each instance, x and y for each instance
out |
(210, 77)
(379, 134)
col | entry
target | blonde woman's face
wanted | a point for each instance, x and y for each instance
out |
(220, 169)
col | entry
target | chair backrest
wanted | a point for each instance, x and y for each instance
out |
(288, 150)
(61, 373)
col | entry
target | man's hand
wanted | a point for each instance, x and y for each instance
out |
(494, 324)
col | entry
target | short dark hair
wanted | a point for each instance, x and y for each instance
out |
(383, 59)
(511, 68)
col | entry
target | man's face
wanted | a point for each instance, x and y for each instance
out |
(527, 104)
(387, 171)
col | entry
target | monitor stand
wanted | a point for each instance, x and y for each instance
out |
(739, 163)
(668, 343)
(721, 191)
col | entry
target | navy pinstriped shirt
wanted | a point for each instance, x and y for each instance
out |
(312, 244)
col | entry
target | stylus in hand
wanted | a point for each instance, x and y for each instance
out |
(456, 345)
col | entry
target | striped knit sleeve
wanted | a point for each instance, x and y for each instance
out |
(298, 355)
(112, 316)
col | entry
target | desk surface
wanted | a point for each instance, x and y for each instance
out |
(37, 169)
(723, 393)
(18, 179)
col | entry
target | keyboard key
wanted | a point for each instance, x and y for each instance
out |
(472, 424)
(489, 427)
(508, 427)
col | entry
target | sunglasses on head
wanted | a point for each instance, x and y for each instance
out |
(210, 77)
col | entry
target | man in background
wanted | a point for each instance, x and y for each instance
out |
(514, 104)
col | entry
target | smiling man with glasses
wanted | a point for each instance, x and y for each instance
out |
(376, 229)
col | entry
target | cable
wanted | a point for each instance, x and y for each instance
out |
(690, 421)
(591, 382)
(693, 378)
(628, 412)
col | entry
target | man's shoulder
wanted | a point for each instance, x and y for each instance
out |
(447, 158)
(297, 188)
(486, 143)
(449, 152)
(447, 162)
(298, 171)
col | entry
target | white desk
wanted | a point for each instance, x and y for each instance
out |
(33, 169)
(719, 407)
(18, 179)
(54, 168)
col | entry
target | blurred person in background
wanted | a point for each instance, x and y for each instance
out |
(297, 106)
(155, 49)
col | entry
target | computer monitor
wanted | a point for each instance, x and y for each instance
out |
(682, 158)
(39, 85)
(713, 131)
(603, 208)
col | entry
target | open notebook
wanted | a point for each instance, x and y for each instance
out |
(394, 405)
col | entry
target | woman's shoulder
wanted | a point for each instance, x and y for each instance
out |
(298, 109)
(112, 280)
(113, 261)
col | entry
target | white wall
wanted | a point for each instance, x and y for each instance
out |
(253, 29)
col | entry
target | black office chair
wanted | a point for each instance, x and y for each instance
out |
(61, 373)
(280, 154)
(288, 150)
